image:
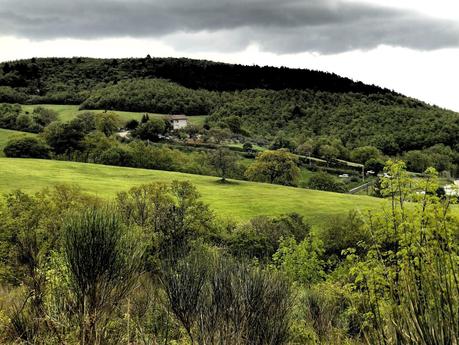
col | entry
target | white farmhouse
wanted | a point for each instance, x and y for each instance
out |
(178, 121)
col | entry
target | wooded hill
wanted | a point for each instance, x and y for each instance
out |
(259, 102)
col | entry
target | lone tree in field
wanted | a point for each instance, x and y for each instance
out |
(103, 261)
(279, 167)
(224, 161)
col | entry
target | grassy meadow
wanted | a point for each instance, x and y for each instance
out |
(68, 112)
(237, 199)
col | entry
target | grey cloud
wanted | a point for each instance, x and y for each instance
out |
(282, 26)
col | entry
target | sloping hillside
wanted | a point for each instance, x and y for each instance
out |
(238, 200)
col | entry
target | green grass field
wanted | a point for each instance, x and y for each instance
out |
(68, 112)
(239, 199)
(254, 147)
(6, 135)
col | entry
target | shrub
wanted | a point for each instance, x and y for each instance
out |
(326, 182)
(117, 156)
(132, 124)
(341, 233)
(260, 237)
(27, 147)
(228, 302)
(44, 116)
(103, 260)
(150, 130)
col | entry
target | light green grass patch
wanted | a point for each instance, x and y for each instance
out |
(254, 147)
(239, 200)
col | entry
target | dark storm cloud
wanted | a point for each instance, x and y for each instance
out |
(283, 26)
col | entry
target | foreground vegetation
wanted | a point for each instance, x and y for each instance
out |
(154, 265)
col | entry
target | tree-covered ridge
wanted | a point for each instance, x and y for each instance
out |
(355, 119)
(153, 95)
(389, 122)
(47, 76)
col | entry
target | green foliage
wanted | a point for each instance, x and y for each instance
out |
(364, 154)
(228, 302)
(26, 147)
(376, 165)
(150, 130)
(11, 117)
(327, 309)
(305, 149)
(10, 95)
(277, 167)
(281, 142)
(440, 157)
(117, 156)
(132, 124)
(326, 182)
(301, 261)
(260, 238)
(240, 201)
(234, 123)
(67, 137)
(173, 215)
(408, 279)
(224, 162)
(95, 144)
(103, 261)
(342, 233)
(218, 135)
(246, 99)
(153, 95)
(44, 116)
(108, 123)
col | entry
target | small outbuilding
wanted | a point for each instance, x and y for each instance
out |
(178, 121)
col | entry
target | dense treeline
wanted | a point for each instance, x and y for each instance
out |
(153, 95)
(49, 76)
(155, 265)
(355, 119)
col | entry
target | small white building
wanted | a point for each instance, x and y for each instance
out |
(178, 121)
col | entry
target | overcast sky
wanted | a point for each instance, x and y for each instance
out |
(411, 46)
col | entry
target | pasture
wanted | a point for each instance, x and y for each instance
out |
(239, 200)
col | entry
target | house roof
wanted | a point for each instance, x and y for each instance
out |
(177, 117)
